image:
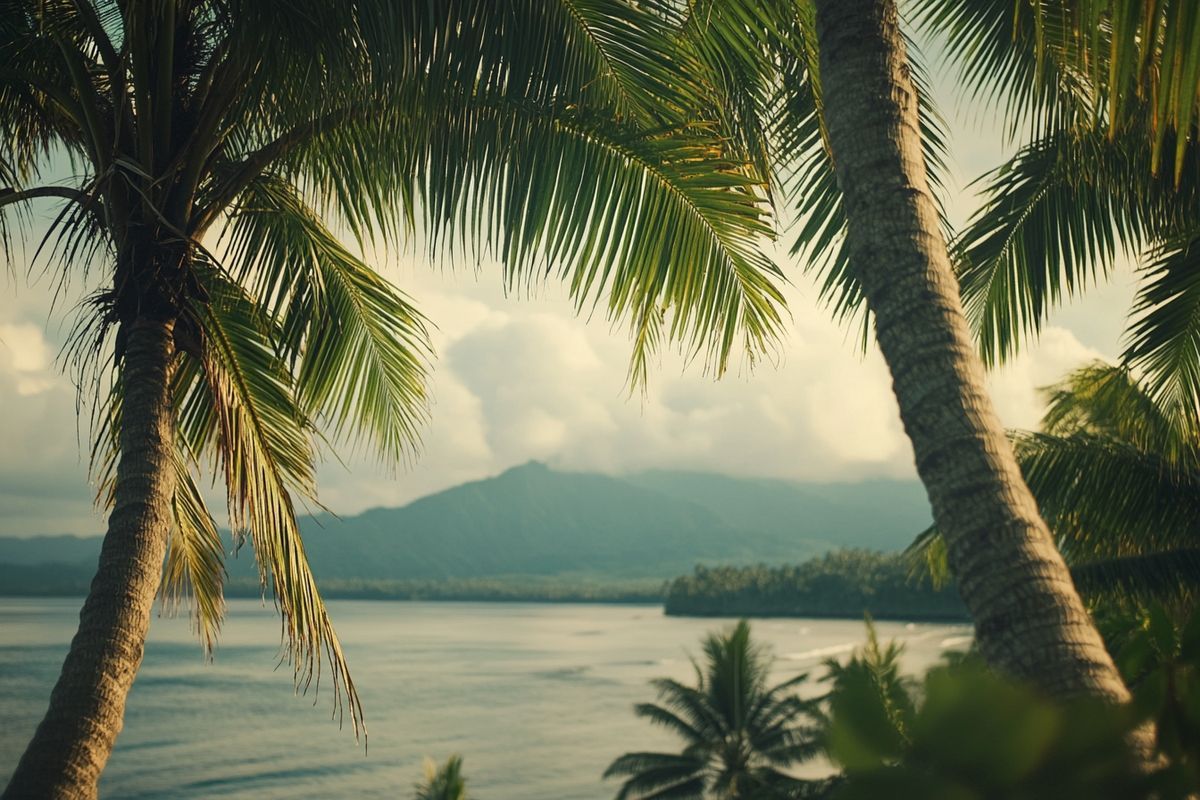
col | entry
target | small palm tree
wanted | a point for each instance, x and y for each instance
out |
(442, 783)
(739, 735)
(870, 686)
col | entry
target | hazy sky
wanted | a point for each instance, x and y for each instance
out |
(519, 379)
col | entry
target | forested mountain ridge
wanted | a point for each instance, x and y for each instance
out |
(532, 520)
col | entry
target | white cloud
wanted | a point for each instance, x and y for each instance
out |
(524, 379)
(25, 358)
(1016, 387)
(43, 474)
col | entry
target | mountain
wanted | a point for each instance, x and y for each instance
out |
(875, 514)
(49, 550)
(535, 521)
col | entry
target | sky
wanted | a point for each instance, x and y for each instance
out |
(521, 378)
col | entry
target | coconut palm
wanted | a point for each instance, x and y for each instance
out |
(850, 138)
(211, 156)
(442, 783)
(739, 734)
(1029, 619)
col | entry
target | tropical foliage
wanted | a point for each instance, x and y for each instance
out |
(739, 733)
(966, 732)
(1116, 472)
(445, 782)
(845, 583)
(1103, 96)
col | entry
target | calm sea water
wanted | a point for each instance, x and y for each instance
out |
(537, 698)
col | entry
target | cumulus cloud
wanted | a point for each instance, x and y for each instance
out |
(25, 358)
(1016, 387)
(43, 476)
(521, 379)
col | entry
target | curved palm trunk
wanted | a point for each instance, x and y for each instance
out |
(1029, 621)
(73, 743)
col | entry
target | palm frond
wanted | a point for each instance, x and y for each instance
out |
(631, 219)
(927, 559)
(359, 346)
(194, 570)
(1102, 497)
(243, 411)
(670, 720)
(1164, 337)
(994, 45)
(740, 46)
(602, 54)
(692, 705)
(1149, 577)
(1050, 224)
(633, 763)
(1103, 399)
(1054, 218)
(1057, 64)
(658, 775)
(1143, 57)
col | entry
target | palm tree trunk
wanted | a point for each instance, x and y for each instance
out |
(1029, 621)
(72, 744)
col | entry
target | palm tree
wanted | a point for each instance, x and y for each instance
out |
(840, 104)
(442, 783)
(1029, 619)
(738, 734)
(214, 149)
(1116, 472)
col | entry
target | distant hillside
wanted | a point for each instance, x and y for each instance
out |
(535, 521)
(876, 515)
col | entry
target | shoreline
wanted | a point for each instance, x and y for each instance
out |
(564, 600)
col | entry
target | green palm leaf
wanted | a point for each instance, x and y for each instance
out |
(243, 411)
(1054, 219)
(653, 775)
(195, 565)
(1164, 337)
(636, 220)
(1159, 576)
(360, 347)
(995, 46)
(1143, 56)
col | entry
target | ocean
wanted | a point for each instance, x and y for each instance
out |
(537, 698)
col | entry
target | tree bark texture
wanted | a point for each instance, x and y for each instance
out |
(1029, 620)
(73, 742)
